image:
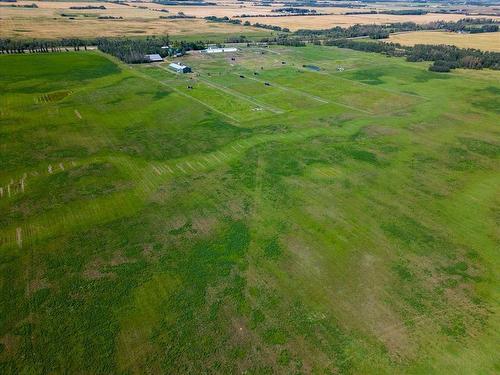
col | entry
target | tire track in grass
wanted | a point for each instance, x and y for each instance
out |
(337, 76)
(83, 214)
(182, 93)
(331, 101)
(242, 96)
(289, 89)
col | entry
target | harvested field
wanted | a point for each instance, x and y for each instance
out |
(325, 22)
(482, 41)
(48, 21)
(86, 28)
(231, 10)
(55, 19)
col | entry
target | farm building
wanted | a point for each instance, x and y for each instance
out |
(219, 50)
(154, 58)
(180, 68)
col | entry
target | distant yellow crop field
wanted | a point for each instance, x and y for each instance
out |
(483, 41)
(328, 21)
(57, 20)
(54, 19)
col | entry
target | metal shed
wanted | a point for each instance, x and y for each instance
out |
(180, 68)
(154, 58)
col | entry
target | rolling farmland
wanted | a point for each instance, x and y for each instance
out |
(331, 221)
(58, 20)
(482, 41)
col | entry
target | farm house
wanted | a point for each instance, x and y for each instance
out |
(180, 68)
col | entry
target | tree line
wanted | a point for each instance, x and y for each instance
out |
(473, 25)
(294, 10)
(246, 23)
(128, 50)
(8, 46)
(444, 57)
(284, 40)
(88, 7)
(372, 31)
(396, 12)
(134, 51)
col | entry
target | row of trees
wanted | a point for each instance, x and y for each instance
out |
(314, 3)
(275, 15)
(372, 31)
(246, 23)
(270, 27)
(397, 12)
(284, 40)
(41, 45)
(223, 20)
(383, 31)
(32, 5)
(391, 49)
(444, 57)
(472, 25)
(87, 7)
(183, 2)
(294, 10)
(128, 50)
(454, 57)
(133, 51)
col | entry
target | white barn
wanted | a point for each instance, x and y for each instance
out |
(219, 50)
(180, 68)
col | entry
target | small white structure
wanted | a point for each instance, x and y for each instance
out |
(180, 68)
(154, 58)
(219, 50)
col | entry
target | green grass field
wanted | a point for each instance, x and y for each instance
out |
(332, 222)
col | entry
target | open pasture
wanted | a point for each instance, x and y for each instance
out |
(331, 222)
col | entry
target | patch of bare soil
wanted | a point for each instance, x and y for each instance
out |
(204, 225)
(378, 130)
(36, 285)
(149, 254)
(119, 258)
(10, 344)
(93, 270)
(385, 324)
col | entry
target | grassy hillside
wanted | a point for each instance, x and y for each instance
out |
(332, 222)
